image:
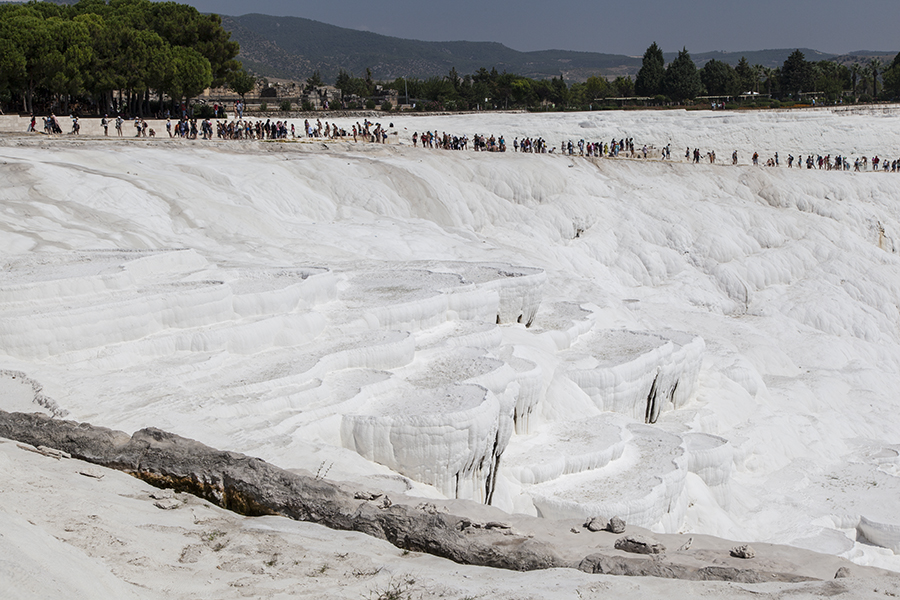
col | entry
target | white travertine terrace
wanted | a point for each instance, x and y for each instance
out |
(264, 297)
(638, 374)
(645, 484)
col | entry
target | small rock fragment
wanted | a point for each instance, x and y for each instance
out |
(91, 473)
(616, 525)
(639, 544)
(842, 572)
(165, 494)
(496, 525)
(574, 530)
(367, 496)
(51, 452)
(428, 507)
(686, 545)
(744, 551)
(168, 504)
(595, 524)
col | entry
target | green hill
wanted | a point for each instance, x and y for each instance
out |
(293, 48)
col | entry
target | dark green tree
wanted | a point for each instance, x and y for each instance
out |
(191, 73)
(623, 86)
(596, 88)
(315, 80)
(796, 74)
(682, 80)
(831, 78)
(32, 36)
(649, 80)
(523, 93)
(438, 89)
(241, 82)
(873, 69)
(855, 72)
(892, 78)
(183, 25)
(561, 93)
(746, 78)
(454, 78)
(719, 79)
(12, 66)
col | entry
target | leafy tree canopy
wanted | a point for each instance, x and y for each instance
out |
(96, 46)
(719, 79)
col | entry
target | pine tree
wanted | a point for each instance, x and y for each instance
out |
(745, 75)
(796, 74)
(649, 80)
(682, 80)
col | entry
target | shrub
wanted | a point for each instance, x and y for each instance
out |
(386, 106)
(307, 106)
(370, 104)
(865, 98)
(285, 105)
(203, 111)
(263, 107)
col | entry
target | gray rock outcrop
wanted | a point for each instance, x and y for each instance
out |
(253, 487)
(616, 525)
(743, 551)
(638, 544)
(644, 567)
(595, 524)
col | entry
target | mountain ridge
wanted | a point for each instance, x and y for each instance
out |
(296, 47)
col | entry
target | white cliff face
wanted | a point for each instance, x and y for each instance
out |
(698, 348)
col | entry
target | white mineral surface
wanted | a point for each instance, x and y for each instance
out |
(697, 349)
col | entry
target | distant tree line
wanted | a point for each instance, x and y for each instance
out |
(656, 83)
(796, 78)
(486, 90)
(108, 54)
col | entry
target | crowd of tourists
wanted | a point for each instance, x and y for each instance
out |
(625, 147)
(445, 141)
(819, 162)
(241, 129)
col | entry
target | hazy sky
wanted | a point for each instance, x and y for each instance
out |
(620, 27)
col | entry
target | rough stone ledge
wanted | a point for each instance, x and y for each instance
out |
(253, 487)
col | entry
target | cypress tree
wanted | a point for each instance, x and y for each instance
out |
(682, 80)
(745, 76)
(649, 80)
